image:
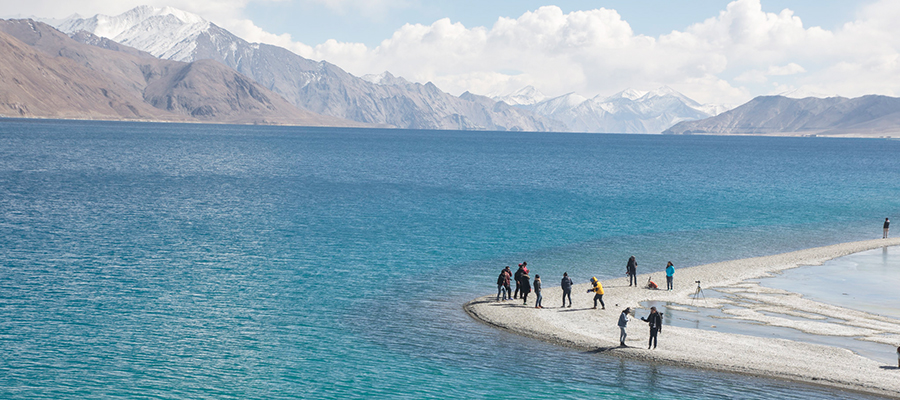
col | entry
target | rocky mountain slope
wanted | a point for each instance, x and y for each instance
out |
(47, 74)
(629, 111)
(778, 115)
(320, 87)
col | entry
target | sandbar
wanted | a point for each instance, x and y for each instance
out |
(596, 331)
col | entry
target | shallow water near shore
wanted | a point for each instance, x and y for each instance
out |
(867, 281)
(864, 281)
(196, 261)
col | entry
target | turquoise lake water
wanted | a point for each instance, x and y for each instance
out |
(196, 261)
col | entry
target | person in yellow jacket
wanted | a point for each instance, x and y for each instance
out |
(597, 288)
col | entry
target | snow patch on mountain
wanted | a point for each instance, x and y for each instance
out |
(527, 95)
(385, 79)
(804, 92)
(165, 32)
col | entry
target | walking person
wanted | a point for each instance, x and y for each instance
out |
(623, 322)
(525, 287)
(597, 288)
(518, 277)
(655, 322)
(631, 271)
(537, 292)
(670, 276)
(887, 227)
(566, 288)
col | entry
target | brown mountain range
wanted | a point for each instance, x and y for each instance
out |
(46, 74)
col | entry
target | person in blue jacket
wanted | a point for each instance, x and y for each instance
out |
(670, 276)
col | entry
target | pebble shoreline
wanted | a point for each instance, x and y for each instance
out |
(595, 330)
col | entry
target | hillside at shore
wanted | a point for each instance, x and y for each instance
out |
(866, 116)
(46, 74)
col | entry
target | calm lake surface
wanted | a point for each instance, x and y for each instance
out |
(197, 261)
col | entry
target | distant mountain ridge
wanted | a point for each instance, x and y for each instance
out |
(44, 73)
(871, 115)
(629, 111)
(320, 87)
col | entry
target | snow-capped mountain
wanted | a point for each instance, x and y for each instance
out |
(320, 87)
(629, 111)
(525, 96)
(166, 32)
(48, 74)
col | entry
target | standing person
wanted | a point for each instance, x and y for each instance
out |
(887, 227)
(518, 276)
(508, 273)
(525, 283)
(631, 271)
(537, 292)
(597, 288)
(623, 322)
(670, 276)
(567, 288)
(655, 321)
(503, 284)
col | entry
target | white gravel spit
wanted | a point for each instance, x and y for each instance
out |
(593, 330)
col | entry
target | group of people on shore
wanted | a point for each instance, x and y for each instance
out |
(631, 271)
(524, 286)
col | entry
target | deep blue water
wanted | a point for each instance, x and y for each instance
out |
(199, 261)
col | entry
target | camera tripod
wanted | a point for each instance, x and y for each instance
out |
(698, 293)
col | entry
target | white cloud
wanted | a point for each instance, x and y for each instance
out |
(790, 69)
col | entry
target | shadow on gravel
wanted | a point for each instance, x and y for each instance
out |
(605, 349)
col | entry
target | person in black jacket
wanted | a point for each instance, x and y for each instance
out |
(537, 292)
(525, 287)
(655, 322)
(518, 276)
(887, 227)
(631, 271)
(566, 288)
